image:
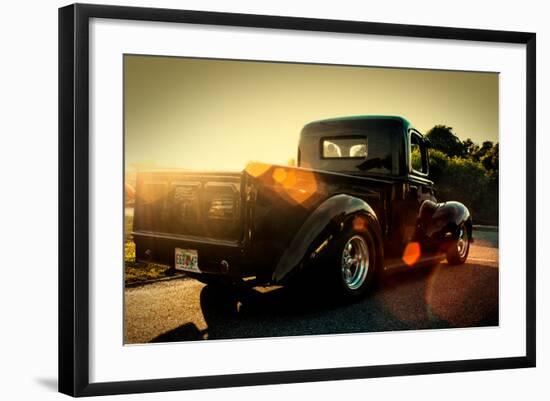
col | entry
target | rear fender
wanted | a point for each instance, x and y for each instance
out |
(438, 223)
(321, 226)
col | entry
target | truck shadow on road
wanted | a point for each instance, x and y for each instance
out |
(442, 297)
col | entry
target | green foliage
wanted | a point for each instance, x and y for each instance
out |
(128, 226)
(442, 138)
(468, 181)
(416, 158)
(470, 147)
(129, 252)
(485, 148)
(489, 160)
(136, 273)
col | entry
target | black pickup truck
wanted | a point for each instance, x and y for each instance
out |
(359, 204)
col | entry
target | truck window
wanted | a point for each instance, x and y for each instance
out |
(419, 160)
(354, 148)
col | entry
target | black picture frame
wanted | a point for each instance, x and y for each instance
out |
(74, 198)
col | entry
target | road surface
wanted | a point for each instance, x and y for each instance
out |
(442, 297)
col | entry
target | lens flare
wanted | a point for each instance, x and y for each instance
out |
(257, 169)
(153, 192)
(280, 175)
(295, 185)
(412, 253)
(360, 223)
(129, 192)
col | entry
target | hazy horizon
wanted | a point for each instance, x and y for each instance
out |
(220, 114)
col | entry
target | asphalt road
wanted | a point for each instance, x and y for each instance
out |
(441, 297)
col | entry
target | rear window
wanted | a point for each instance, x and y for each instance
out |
(361, 145)
(350, 148)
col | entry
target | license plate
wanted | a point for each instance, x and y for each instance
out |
(187, 260)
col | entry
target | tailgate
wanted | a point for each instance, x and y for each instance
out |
(198, 205)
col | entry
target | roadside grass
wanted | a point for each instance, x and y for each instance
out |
(135, 272)
(128, 225)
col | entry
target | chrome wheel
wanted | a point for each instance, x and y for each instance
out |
(462, 243)
(355, 262)
(457, 252)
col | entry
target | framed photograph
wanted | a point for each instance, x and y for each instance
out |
(251, 199)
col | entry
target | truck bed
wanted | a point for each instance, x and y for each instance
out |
(244, 219)
(192, 204)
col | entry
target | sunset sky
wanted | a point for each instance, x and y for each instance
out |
(217, 114)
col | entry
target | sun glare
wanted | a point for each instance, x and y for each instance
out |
(412, 253)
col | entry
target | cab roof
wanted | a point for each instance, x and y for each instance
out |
(403, 120)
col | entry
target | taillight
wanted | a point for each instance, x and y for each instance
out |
(220, 202)
(221, 207)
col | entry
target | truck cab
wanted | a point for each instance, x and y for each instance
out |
(384, 147)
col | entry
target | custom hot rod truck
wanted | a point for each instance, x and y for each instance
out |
(359, 204)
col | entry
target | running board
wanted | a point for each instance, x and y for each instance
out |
(397, 264)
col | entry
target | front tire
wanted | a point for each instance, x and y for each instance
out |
(352, 263)
(457, 253)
